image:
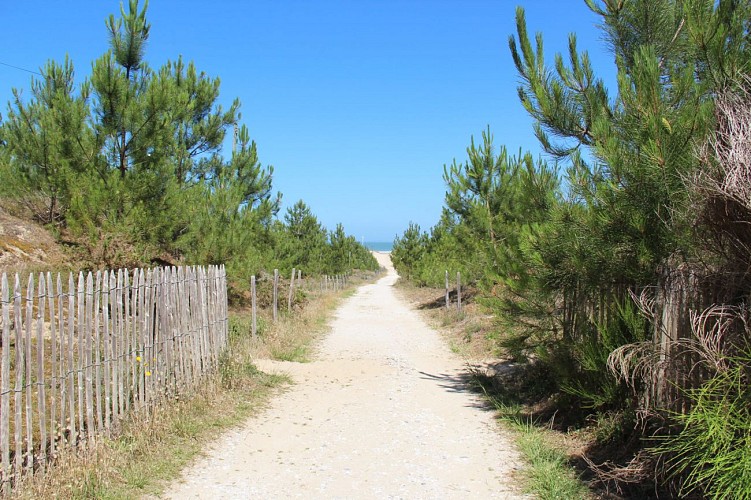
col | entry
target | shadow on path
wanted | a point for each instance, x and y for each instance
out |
(464, 382)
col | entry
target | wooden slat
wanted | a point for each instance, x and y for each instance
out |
(225, 305)
(448, 302)
(179, 364)
(156, 335)
(167, 374)
(191, 293)
(167, 371)
(40, 381)
(275, 293)
(203, 306)
(29, 411)
(205, 318)
(194, 315)
(19, 365)
(200, 323)
(138, 355)
(291, 290)
(211, 316)
(182, 329)
(107, 348)
(147, 337)
(253, 299)
(81, 362)
(116, 303)
(62, 369)
(72, 391)
(459, 291)
(97, 353)
(208, 298)
(54, 375)
(88, 358)
(129, 342)
(5, 387)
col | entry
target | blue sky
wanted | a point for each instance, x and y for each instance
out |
(356, 104)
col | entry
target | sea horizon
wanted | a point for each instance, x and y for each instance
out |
(379, 246)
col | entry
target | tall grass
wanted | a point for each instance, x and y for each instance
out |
(548, 475)
(712, 451)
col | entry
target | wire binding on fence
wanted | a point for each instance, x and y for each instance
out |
(114, 342)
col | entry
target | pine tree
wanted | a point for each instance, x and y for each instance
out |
(305, 242)
(630, 155)
(48, 142)
(120, 82)
(408, 250)
(197, 122)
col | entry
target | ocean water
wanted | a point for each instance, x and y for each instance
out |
(379, 246)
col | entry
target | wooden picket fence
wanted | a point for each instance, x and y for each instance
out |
(326, 283)
(75, 360)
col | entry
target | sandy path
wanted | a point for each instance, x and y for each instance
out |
(381, 413)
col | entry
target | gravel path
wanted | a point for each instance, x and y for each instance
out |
(382, 413)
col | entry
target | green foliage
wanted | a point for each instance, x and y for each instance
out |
(240, 327)
(346, 253)
(424, 258)
(549, 475)
(48, 144)
(305, 245)
(587, 376)
(230, 210)
(713, 448)
(408, 249)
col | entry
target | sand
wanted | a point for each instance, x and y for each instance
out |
(382, 412)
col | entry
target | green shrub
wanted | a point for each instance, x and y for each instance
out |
(592, 382)
(712, 451)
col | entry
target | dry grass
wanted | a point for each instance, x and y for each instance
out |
(469, 333)
(152, 448)
(292, 337)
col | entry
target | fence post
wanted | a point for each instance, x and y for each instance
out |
(27, 379)
(5, 387)
(291, 289)
(254, 325)
(448, 302)
(88, 357)
(18, 387)
(71, 366)
(41, 397)
(276, 292)
(458, 291)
